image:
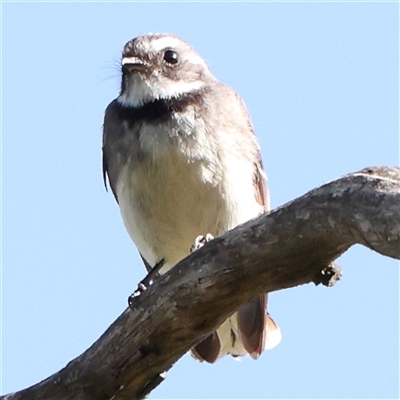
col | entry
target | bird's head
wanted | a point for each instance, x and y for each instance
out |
(160, 66)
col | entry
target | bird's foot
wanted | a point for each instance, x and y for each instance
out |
(146, 282)
(200, 241)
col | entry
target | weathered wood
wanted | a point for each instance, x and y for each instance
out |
(288, 247)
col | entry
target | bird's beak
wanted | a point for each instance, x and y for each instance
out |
(134, 64)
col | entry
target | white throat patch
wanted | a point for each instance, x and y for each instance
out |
(140, 91)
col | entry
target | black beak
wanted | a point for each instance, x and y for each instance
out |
(131, 65)
(134, 67)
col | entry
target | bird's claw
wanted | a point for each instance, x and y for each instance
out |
(200, 241)
(146, 282)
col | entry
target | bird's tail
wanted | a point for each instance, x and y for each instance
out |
(249, 331)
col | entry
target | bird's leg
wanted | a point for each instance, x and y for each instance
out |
(152, 273)
(200, 241)
(147, 281)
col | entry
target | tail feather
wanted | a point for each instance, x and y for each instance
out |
(251, 326)
(249, 331)
(273, 334)
(208, 350)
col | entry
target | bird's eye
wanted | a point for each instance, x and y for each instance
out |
(171, 57)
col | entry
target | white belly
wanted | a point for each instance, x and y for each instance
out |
(169, 199)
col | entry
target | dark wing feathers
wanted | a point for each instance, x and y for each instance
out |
(251, 317)
(105, 168)
(260, 185)
(112, 132)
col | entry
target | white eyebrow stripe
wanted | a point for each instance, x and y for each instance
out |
(154, 45)
(131, 60)
(164, 42)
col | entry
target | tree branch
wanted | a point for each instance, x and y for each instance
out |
(293, 245)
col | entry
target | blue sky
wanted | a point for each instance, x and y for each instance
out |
(321, 83)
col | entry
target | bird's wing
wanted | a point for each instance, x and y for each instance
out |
(113, 132)
(257, 330)
(260, 185)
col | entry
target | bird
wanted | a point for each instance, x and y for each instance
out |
(182, 159)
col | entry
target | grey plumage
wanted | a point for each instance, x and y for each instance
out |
(182, 160)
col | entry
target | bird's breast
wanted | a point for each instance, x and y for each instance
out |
(177, 189)
(169, 194)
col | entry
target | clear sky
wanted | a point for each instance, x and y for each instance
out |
(321, 83)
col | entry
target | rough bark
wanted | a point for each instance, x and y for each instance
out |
(293, 245)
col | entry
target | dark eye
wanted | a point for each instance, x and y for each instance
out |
(171, 57)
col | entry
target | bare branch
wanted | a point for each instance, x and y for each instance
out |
(293, 245)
